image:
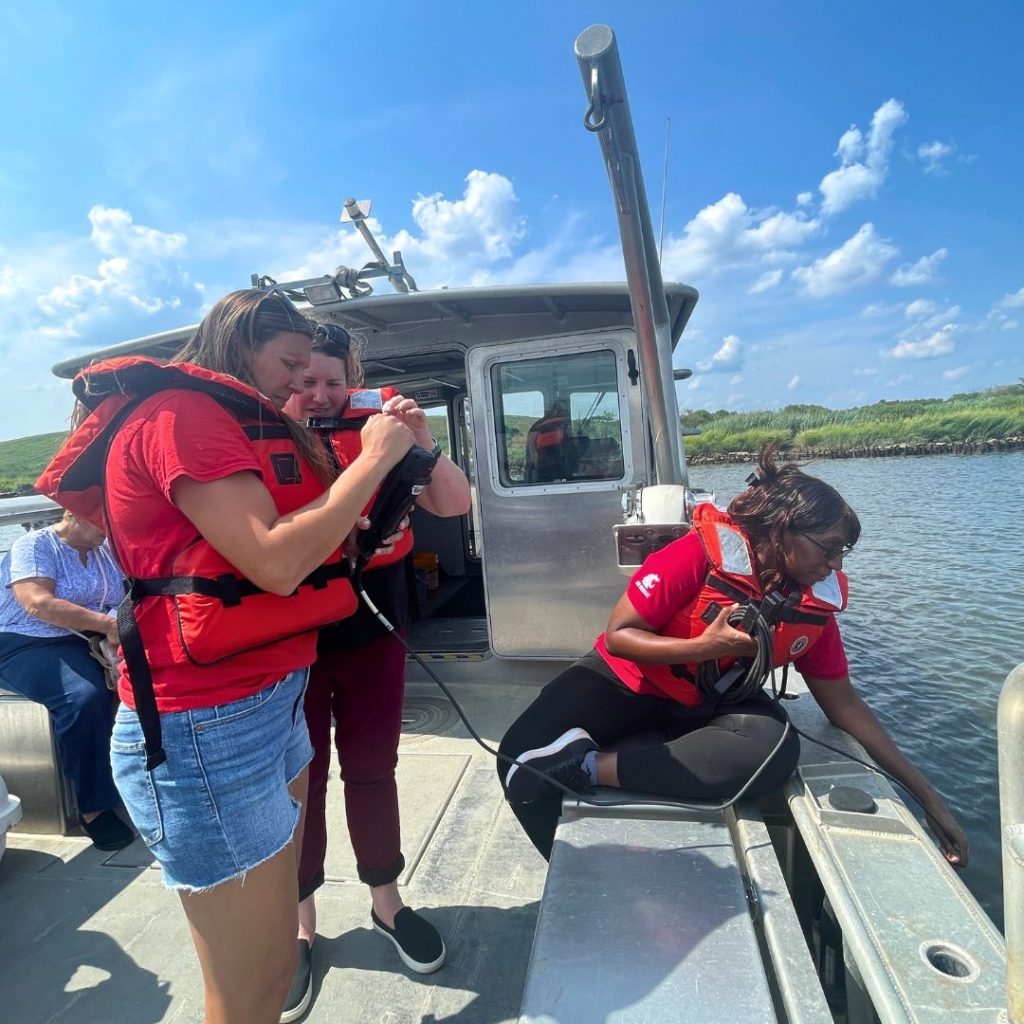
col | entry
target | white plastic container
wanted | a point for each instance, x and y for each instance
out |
(10, 814)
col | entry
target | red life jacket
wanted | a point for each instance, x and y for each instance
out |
(732, 578)
(344, 444)
(219, 613)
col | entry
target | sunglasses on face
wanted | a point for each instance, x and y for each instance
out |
(830, 553)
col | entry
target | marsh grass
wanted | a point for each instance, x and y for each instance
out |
(994, 414)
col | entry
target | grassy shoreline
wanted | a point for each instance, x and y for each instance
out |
(979, 421)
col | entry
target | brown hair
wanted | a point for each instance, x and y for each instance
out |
(334, 341)
(235, 328)
(786, 498)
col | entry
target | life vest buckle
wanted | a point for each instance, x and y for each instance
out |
(230, 594)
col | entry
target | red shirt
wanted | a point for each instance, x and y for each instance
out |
(170, 435)
(679, 569)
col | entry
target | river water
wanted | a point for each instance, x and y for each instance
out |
(936, 617)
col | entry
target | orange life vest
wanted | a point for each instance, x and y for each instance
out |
(732, 579)
(344, 444)
(219, 613)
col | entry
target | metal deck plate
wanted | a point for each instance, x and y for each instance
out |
(924, 950)
(644, 920)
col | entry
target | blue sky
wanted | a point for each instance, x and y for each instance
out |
(845, 186)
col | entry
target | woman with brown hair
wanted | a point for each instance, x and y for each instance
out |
(673, 646)
(224, 519)
(358, 680)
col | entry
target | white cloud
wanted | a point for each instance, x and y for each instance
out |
(139, 273)
(956, 373)
(857, 261)
(939, 344)
(804, 198)
(485, 220)
(864, 163)
(932, 154)
(924, 271)
(794, 382)
(466, 241)
(940, 319)
(919, 307)
(769, 279)
(67, 295)
(1012, 301)
(729, 234)
(114, 233)
(880, 309)
(728, 356)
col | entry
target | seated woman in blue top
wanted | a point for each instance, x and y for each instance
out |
(56, 585)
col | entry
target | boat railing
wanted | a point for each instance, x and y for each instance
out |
(1010, 729)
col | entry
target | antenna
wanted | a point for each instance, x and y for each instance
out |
(664, 188)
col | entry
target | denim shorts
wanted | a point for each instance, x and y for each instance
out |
(219, 805)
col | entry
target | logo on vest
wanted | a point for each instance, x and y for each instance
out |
(799, 646)
(647, 583)
(286, 468)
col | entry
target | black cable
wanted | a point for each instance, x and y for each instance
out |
(756, 669)
(358, 584)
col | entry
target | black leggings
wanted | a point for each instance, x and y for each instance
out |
(702, 755)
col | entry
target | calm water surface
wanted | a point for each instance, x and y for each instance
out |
(936, 617)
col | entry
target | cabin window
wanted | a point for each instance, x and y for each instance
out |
(558, 419)
(437, 418)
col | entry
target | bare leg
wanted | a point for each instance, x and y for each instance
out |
(244, 934)
(387, 901)
(307, 919)
(607, 769)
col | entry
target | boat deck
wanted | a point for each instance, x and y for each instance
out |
(94, 938)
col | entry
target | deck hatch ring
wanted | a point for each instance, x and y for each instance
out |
(950, 961)
(424, 716)
(850, 798)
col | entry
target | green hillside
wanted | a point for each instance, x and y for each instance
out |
(22, 460)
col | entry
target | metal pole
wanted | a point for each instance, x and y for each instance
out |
(1010, 724)
(358, 218)
(608, 117)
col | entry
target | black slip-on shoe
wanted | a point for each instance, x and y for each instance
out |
(300, 995)
(561, 760)
(416, 939)
(107, 831)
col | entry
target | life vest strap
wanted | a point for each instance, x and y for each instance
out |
(267, 432)
(786, 613)
(228, 588)
(142, 682)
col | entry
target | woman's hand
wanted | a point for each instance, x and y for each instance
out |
(952, 838)
(111, 634)
(845, 708)
(388, 544)
(386, 439)
(408, 412)
(720, 640)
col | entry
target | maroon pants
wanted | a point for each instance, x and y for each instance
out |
(363, 689)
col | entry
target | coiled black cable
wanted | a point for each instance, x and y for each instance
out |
(758, 668)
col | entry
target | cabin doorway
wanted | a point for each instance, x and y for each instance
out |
(448, 617)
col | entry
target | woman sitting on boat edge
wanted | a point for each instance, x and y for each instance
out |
(221, 510)
(58, 585)
(787, 534)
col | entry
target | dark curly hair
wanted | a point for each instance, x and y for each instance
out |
(786, 498)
